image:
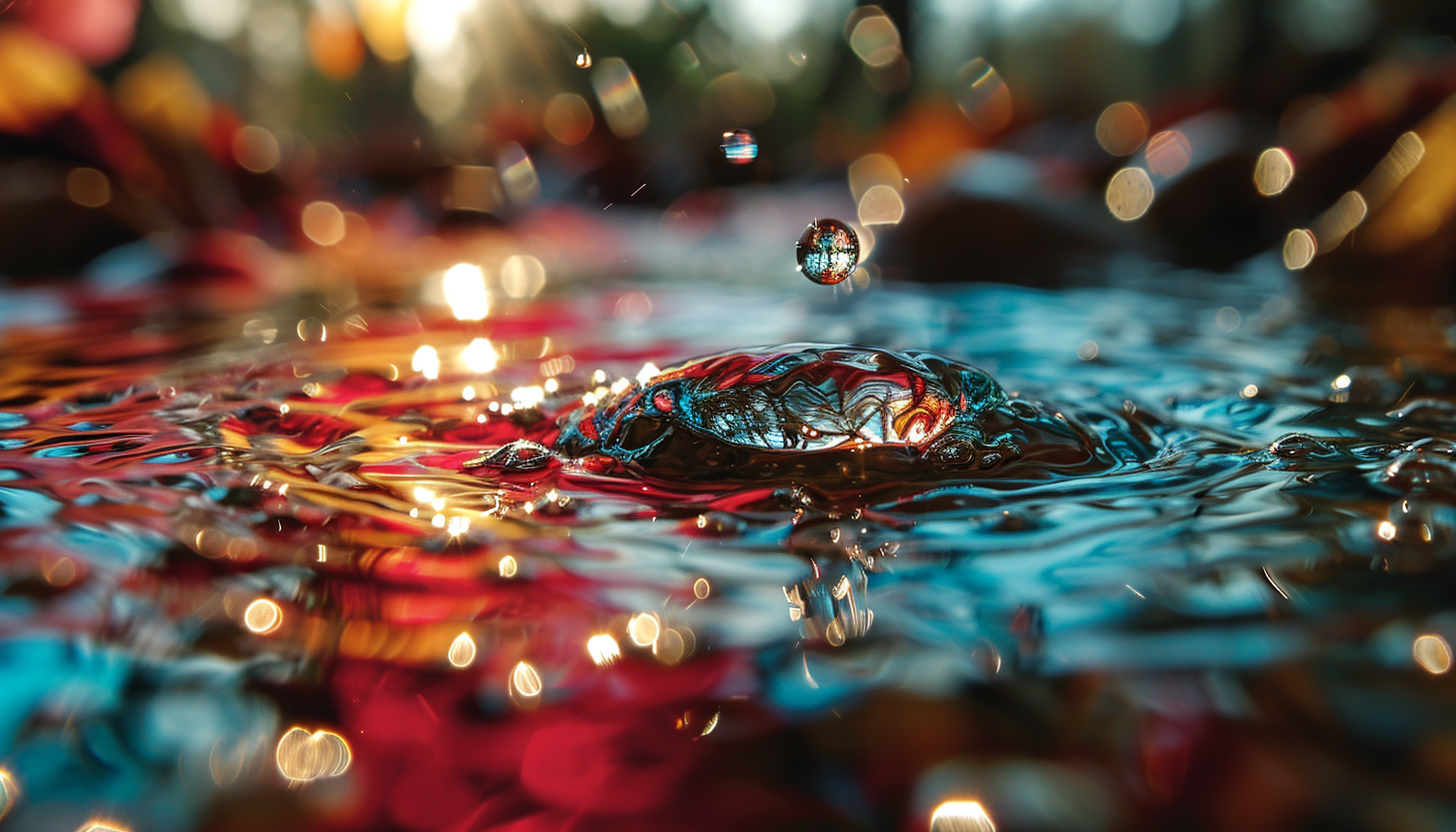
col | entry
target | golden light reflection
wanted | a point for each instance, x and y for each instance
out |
(1424, 202)
(873, 169)
(522, 276)
(322, 222)
(568, 118)
(464, 286)
(1432, 653)
(103, 826)
(961, 816)
(382, 24)
(60, 571)
(426, 361)
(9, 793)
(876, 40)
(1299, 249)
(160, 95)
(648, 372)
(1274, 171)
(38, 80)
(1121, 128)
(1401, 160)
(255, 149)
(983, 96)
(304, 756)
(525, 681)
(479, 356)
(88, 187)
(263, 616)
(881, 205)
(1331, 227)
(1168, 153)
(507, 567)
(701, 588)
(623, 106)
(1129, 194)
(475, 188)
(603, 650)
(644, 628)
(1386, 530)
(462, 651)
(334, 43)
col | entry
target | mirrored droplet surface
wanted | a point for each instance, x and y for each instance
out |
(739, 147)
(828, 251)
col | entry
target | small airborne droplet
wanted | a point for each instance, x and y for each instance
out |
(739, 147)
(583, 59)
(828, 251)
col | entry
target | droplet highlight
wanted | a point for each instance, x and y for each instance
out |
(739, 147)
(828, 251)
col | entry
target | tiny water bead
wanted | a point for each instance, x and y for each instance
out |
(828, 251)
(739, 147)
(583, 59)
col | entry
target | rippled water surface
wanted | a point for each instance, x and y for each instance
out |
(218, 529)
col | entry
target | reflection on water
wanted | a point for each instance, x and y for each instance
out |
(339, 565)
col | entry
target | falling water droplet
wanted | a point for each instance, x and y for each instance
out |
(583, 59)
(739, 147)
(828, 251)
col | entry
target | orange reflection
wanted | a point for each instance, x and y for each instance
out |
(1121, 128)
(983, 96)
(322, 222)
(1168, 153)
(38, 80)
(334, 43)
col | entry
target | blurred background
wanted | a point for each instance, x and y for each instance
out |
(1173, 128)
(1251, 631)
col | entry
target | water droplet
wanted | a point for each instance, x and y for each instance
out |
(739, 147)
(583, 59)
(828, 251)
